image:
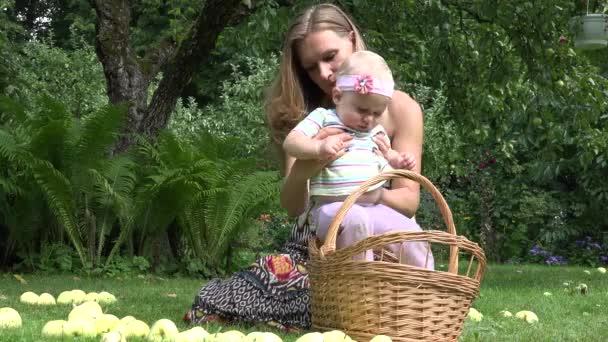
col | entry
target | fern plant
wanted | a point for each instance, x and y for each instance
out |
(204, 186)
(67, 160)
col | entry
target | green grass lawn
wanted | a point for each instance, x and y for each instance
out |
(562, 317)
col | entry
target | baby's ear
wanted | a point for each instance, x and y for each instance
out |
(336, 95)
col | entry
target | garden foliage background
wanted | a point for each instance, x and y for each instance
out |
(515, 133)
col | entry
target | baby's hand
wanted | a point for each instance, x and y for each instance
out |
(329, 147)
(397, 160)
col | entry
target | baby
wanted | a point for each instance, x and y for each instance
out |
(364, 87)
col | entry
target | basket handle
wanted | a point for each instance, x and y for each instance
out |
(329, 246)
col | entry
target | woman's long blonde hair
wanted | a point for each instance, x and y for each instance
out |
(293, 94)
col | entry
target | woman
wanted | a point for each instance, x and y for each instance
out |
(275, 289)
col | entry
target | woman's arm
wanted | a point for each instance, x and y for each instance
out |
(406, 123)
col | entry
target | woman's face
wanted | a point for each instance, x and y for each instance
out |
(321, 53)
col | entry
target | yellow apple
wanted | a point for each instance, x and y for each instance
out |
(78, 296)
(127, 319)
(232, 336)
(193, 335)
(381, 338)
(106, 298)
(335, 336)
(162, 330)
(258, 336)
(311, 337)
(506, 313)
(602, 270)
(53, 328)
(86, 310)
(105, 323)
(113, 336)
(46, 299)
(65, 297)
(475, 315)
(528, 316)
(136, 328)
(92, 297)
(9, 319)
(80, 327)
(29, 298)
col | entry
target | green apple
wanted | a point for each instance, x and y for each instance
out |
(506, 313)
(136, 328)
(113, 336)
(311, 337)
(46, 299)
(9, 318)
(78, 296)
(602, 270)
(86, 310)
(65, 297)
(105, 323)
(262, 337)
(127, 319)
(233, 335)
(106, 298)
(193, 335)
(29, 298)
(560, 83)
(335, 336)
(381, 338)
(92, 297)
(528, 316)
(80, 327)
(162, 330)
(53, 328)
(475, 315)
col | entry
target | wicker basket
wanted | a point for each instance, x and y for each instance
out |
(407, 303)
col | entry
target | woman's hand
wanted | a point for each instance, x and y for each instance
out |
(294, 193)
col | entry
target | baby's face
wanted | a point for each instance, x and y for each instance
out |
(360, 112)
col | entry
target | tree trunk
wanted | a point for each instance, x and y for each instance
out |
(127, 81)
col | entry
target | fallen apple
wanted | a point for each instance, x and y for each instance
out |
(136, 328)
(231, 336)
(192, 335)
(602, 270)
(335, 336)
(528, 316)
(106, 298)
(475, 315)
(91, 297)
(46, 299)
(127, 319)
(9, 318)
(311, 337)
(547, 294)
(53, 328)
(162, 330)
(258, 336)
(506, 313)
(65, 297)
(113, 336)
(381, 338)
(78, 296)
(105, 323)
(80, 327)
(86, 310)
(29, 298)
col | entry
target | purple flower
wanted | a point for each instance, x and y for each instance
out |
(482, 165)
(556, 260)
(491, 161)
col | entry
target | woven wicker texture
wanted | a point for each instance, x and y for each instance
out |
(407, 303)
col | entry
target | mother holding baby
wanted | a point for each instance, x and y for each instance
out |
(274, 289)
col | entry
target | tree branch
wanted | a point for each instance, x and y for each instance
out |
(459, 5)
(191, 53)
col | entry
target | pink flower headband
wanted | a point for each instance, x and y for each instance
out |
(365, 84)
